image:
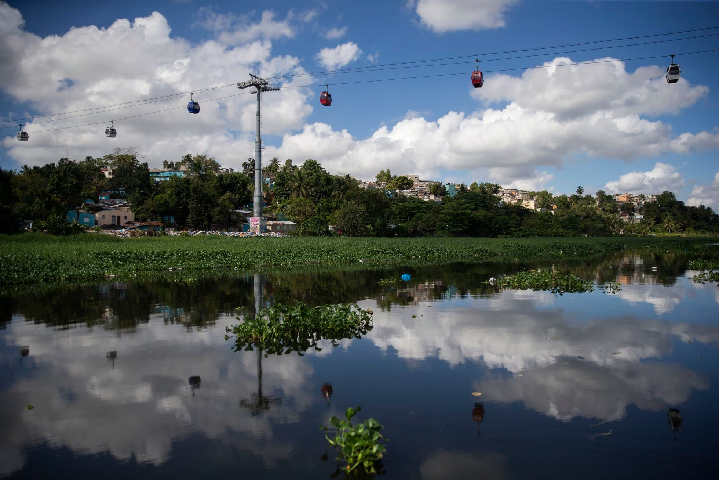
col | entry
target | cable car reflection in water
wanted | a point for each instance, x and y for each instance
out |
(195, 383)
(478, 415)
(326, 391)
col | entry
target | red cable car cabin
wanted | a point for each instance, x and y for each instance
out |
(325, 99)
(477, 79)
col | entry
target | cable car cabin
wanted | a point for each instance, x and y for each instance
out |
(111, 132)
(477, 79)
(193, 107)
(326, 99)
(23, 136)
(673, 73)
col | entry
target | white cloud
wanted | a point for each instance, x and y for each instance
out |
(335, 33)
(234, 29)
(341, 55)
(574, 91)
(73, 72)
(541, 126)
(707, 195)
(452, 15)
(662, 177)
(373, 57)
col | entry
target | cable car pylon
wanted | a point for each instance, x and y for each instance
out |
(261, 85)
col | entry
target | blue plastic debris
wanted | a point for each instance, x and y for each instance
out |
(406, 277)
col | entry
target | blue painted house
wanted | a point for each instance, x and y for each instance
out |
(87, 219)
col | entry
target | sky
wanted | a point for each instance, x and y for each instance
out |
(541, 121)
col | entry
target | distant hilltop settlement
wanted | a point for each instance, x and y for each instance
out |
(427, 190)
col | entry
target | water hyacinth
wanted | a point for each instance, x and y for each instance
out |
(29, 259)
(283, 330)
(546, 280)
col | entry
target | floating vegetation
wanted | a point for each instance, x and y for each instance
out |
(360, 446)
(387, 282)
(710, 273)
(546, 280)
(283, 330)
(35, 258)
(612, 287)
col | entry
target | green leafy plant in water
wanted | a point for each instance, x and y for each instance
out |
(388, 282)
(546, 280)
(360, 446)
(612, 287)
(281, 329)
(710, 273)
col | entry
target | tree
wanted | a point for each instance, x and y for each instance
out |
(200, 165)
(400, 183)
(627, 207)
(543, 199)
(606, 203)
(580, 190)
(351, 219)
(383, 176)
(438, 190)
(248, 168)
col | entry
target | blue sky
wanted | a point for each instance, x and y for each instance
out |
(612, 125)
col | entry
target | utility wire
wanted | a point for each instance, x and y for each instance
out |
(135, 116)
(476, 55)
(373, 69)
(378, 67)
(590, 62)
(116, 106)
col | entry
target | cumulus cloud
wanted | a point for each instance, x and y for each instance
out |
(539, 124)
(573, 91)
(662, 177)
(707, 195)
(73, 72)
(339, 56)
(335, 33)
(236, 29)
(452, 15)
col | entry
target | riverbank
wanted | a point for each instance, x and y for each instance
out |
(39, 259)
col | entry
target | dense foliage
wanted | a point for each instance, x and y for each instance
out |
(547, 280)
(38, 258)
(360, 445)
(313, 198)
(281, 329)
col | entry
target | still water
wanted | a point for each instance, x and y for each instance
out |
(572, 386)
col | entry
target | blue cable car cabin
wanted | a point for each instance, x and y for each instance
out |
(193, 107)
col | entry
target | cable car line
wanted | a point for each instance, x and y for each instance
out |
(357, 69)
(370, 68)
(173, 96)
(138, 115)
(588, 62)
(449, 74)
(162, 98)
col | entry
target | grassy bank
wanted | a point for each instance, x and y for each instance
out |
(36, 258)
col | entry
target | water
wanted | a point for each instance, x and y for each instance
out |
(572, 386)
